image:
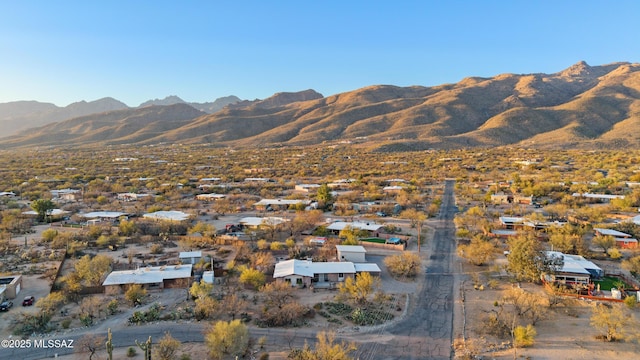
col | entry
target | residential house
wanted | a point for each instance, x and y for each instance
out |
(279, 204)
(571, 269)
(319, 274)
(167, 216)
(623, 240)
(210, 197)
(307, 188)
(150, 278)
(372, 228)
(252, 222)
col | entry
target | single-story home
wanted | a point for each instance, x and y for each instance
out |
(352, 253)
(131, 196)
(572, 269)
(307, 188)
(98, 216)
(279, 204)
(598, 197)
(623, 240)
(319, 274)
(167, 215)
(373, 228)
(150, 277)
(253, 222)
(210, 197)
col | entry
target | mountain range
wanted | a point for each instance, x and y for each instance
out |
(580, 107)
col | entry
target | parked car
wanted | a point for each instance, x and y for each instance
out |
(28, 301)
(5, 306)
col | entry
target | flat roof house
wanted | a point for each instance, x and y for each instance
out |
(150, 278)
(319, 274)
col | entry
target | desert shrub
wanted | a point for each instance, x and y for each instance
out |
(405, 265)
(135, 294)
(290, 314)
(156, 249)
(524, 336)
(131, 351)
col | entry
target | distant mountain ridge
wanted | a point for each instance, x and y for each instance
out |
(582, 106)
(22, 115)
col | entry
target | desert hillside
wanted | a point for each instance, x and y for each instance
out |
(580, 107)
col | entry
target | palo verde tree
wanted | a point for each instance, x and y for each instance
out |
(42, 207)
(227, 339)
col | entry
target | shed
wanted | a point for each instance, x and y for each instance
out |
(353, 253)
(190, 257)
(10, 286)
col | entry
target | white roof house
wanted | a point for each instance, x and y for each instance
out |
(598, 196)
(280, 202)
(148, 275)
(611, 232)
(341, 225)
(252, 221)
(103, 215)
(167, 215)
(52, 212)
(309, 268)
(575, 264)
(207, 197)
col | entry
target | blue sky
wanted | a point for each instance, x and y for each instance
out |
(67, 51)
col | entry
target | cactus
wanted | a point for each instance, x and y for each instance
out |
(146, 347)
(109, 345)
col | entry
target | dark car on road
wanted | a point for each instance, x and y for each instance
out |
(28, 301)
(6, 305)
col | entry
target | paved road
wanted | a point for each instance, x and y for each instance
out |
(427, 333)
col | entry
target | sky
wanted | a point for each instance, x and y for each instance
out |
(67, 51)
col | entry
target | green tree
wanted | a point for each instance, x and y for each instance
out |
(526, 259)
(252, 277)
(324, 196)
(42, 207)
(417, 220)
(604, 242)
(359, 289)
(227, 339)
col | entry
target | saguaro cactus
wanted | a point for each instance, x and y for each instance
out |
(109, 345)
(146, 347)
